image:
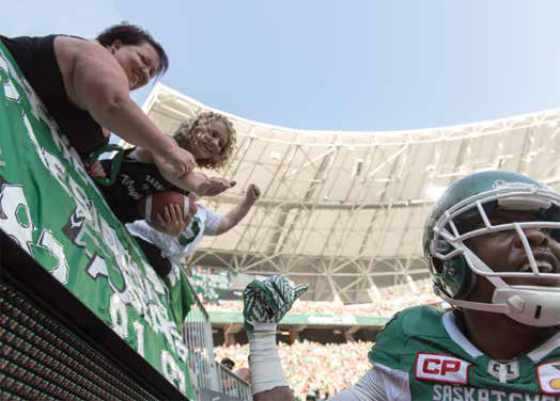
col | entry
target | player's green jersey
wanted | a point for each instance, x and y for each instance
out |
(424, 356)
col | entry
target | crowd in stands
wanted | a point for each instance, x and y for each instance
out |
(312, 366)
(389, 301)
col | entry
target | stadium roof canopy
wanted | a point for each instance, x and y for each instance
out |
(344, 211)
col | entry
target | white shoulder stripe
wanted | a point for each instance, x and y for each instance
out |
(540, 352)
(457, 336)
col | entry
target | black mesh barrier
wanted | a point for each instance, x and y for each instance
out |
(41, 359)
(44, 356)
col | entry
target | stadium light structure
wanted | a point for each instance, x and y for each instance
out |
(344, 211)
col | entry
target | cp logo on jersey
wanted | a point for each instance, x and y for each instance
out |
(549, 377)
(441, 368)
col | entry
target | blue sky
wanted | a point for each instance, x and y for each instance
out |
(345, 65)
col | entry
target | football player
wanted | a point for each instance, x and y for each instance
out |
(492, 245)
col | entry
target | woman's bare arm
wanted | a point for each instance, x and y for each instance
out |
(196, 181)
(95, 81)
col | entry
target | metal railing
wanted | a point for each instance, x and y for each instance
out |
(208, 376)
(232, 385)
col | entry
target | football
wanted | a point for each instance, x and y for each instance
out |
(152, 205)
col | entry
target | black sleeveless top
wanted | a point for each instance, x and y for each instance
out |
(134, 181)
(36, 58)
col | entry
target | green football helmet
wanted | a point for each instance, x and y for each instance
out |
(464, 212)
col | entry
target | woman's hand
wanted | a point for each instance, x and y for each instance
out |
(214, 186)
(174, 163)
(172, 221)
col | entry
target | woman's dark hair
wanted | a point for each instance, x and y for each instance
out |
(133, 35)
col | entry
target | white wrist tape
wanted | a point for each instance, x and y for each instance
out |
(266, 368)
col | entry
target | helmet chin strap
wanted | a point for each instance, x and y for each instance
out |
(533, 306)
(529, 305)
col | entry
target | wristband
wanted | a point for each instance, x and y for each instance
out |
(264, 360)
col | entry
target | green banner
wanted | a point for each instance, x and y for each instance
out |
(50, 206)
